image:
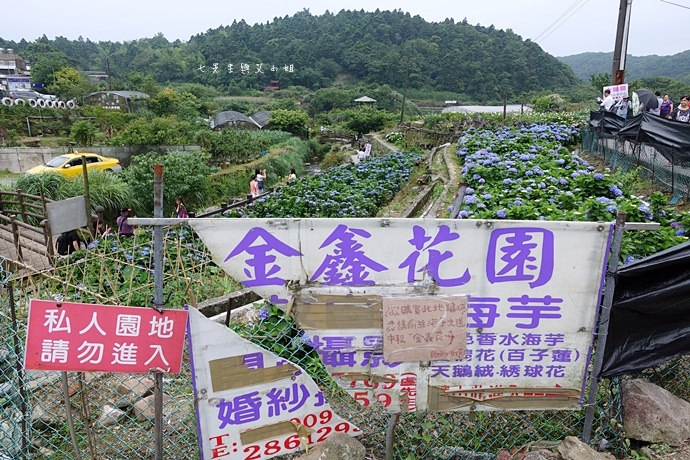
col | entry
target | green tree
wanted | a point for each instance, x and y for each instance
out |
(185, 174)
(83, 132)
(110, 122)
(328, 99)
(366, 120)
(291, 121)
(157, 131)
(167, 102)
(70, 84)
(600, 80)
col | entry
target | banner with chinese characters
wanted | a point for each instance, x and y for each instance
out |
(250, 403)
(531, 293)
(67, 336)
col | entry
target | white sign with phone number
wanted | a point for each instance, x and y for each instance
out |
(248, 406)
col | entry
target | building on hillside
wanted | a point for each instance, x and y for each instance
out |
(95, 76)
(274, 85)
(15, 72)
(126, 101)
(238, 120)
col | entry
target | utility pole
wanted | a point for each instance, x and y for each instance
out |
(621, 48)
(407, 79)
(107, 65)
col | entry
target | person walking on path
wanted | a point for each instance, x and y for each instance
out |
(253, 187)
(123, 226)
(181, 209)
(260, 178)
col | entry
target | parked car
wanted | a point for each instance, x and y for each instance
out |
(30, 94)
(70, 164)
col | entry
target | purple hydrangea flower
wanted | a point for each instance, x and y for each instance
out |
(501, 213)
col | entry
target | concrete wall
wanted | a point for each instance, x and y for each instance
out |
(19, 159)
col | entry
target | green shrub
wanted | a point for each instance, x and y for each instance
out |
(185, 174)
(334, 159)
(83, 132)
(234, 181)
(105, 189)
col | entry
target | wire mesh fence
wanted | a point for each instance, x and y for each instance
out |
(655, 163)
(53, 415)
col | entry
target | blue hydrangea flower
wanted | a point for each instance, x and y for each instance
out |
(263, 313)
(501, 213)
(615, 190)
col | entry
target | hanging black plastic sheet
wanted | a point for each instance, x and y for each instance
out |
(631, 128)
(608, 122)
(650, 315)
(672, 136)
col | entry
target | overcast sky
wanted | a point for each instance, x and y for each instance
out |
(560, 27)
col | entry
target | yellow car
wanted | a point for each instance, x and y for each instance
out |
(69, 164)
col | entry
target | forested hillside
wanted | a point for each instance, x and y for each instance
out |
(676, 66)
(386, 47)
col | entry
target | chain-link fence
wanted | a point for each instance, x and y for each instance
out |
(53, 415)
(656, 163)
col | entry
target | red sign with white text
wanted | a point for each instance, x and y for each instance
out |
(70, 336)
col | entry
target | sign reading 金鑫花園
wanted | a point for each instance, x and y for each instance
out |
(67, 336)
(531, 288)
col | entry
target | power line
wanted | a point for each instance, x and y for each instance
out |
(676, 4)
(557, 19)
(562, 19)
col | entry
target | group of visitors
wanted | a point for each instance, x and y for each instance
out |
(71, 241)
(256, 182)
(682, 112)
(664, 107)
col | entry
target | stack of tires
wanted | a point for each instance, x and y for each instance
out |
(39, 103)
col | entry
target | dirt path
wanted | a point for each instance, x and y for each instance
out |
(384, 143)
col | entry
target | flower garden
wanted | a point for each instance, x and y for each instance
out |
(348, 191)
(528, 173)
(524, 172)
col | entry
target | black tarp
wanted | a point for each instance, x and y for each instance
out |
(650, 315)
(608, 122)
(672, 136)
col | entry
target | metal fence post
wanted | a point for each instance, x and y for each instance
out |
(603, 326)
(158, 301)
